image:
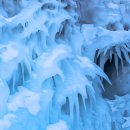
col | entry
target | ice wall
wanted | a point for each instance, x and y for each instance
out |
(46, 82)
(48, 78)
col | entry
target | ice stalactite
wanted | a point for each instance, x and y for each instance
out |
(45, 67)
(47, 53)
(108, 46)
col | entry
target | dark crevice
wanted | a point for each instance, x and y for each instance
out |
(65, 107)
(109, 69)
(119, 85)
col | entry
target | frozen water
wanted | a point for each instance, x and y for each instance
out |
(49, 79)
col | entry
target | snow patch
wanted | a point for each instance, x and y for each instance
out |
(61, 125)
(25, 99)
(5, 123)
(7, 52)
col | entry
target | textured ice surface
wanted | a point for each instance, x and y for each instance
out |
(48, 78)
(120, 112)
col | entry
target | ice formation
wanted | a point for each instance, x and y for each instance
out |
(64, 64)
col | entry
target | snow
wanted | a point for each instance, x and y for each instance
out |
(113, 6)
(25, 99)
(8, 53)
(5, 123)
(60, 52)
(113, 37)
(61, 125)
(4, 95)
(103, 39)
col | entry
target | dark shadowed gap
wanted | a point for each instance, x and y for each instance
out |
(120, 81)
(116, 79)
(109, 69)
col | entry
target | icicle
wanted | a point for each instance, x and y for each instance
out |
(22, 69)
(128, 46)
(84, 102)
(42, 41)
(71, 105)
(26, 62)
(125, 47)
(118, 51)
(100, 83)
(103, 60)
(126, 55)
(91, 93)
(13, 83)
(76, 102)
(99, 53)
(116, 62)
(111, 52)
(106, 50)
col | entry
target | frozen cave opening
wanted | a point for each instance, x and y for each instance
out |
(119, 78)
